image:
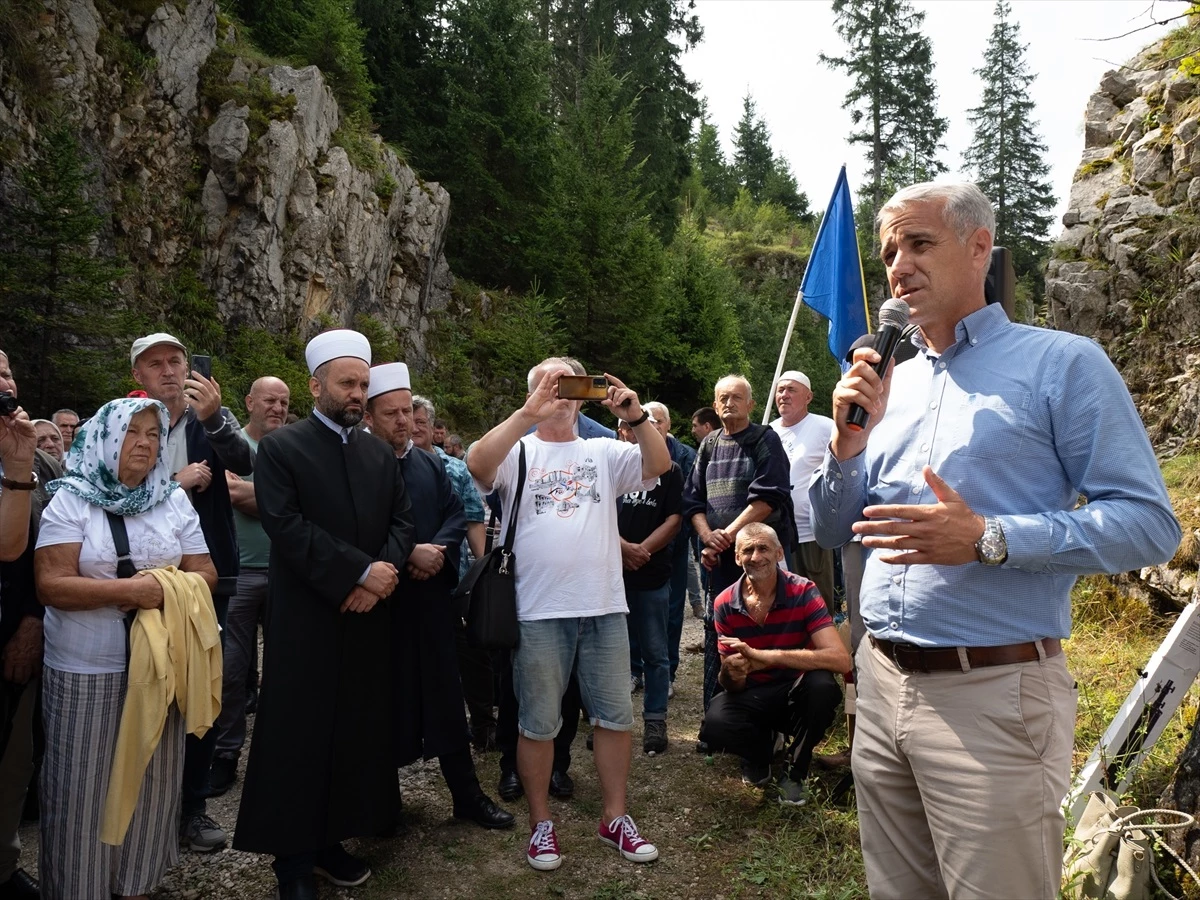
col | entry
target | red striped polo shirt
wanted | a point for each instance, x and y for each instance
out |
(797, 613)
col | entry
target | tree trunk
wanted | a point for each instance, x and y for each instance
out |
(1183, 794)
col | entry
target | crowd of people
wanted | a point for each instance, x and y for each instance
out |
(142, 549)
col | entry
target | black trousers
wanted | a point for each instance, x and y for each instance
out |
(475, 672)
(506, 720)
(198, 752)
(745, 722)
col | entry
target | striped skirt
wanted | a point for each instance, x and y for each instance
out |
(82, 714)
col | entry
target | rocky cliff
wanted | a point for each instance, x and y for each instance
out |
(1126, 268)
(218, 167)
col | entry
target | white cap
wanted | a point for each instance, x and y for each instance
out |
(797, 376)
(334, 345)
(388, 377)
(142, 344)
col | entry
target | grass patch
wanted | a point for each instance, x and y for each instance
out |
(362, 146)
(265, 105)
(1112, 638)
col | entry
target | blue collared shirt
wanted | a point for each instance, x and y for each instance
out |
(1020, 421)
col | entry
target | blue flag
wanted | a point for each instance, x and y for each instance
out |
(833, 280)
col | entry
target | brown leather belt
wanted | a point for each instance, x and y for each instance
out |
(912, 658)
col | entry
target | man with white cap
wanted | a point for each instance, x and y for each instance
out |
(428, 697)
(804, 436)
(334, 505)
(204, 442)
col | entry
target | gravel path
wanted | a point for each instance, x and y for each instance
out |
(434, 856)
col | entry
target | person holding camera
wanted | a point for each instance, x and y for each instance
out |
(22, 499)
(204, 441)
(571, 605)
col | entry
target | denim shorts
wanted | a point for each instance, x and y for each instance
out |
(542, 666)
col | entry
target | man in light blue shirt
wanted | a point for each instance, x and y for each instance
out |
(965, 486)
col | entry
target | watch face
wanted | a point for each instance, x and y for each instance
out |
(993, 549)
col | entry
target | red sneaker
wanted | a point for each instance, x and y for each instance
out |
(543, 852)
(623, 834)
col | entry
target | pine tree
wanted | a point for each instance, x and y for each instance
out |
(644, 41)
(599, 252)
(782, 190)
(708, 161)
(752, 156)
(892, 100)
(493, 152)
(62, 311)
(1006, 156)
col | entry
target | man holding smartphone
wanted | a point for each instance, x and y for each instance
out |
(571, 606)
(205, 440)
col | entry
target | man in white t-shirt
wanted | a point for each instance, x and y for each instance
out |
(804, 436)
(570, 592)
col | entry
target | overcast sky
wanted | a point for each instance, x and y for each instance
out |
(770, 48)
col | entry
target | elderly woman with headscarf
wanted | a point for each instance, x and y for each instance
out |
(117, 465)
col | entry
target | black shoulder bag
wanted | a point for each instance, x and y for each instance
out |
(491, 586)
(125, 566)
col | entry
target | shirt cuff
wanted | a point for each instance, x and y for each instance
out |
(363, 577)
(848, 477)
(215, 422)
(1028, 539)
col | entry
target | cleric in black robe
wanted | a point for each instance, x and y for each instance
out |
(429, 712)
(334, 505)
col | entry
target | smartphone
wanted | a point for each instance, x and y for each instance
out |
(202, 365)
(582, 387)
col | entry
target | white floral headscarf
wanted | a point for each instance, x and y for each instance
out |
(95, 455)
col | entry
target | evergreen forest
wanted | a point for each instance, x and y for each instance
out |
(596, 209)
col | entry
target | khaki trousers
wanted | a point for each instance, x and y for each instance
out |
(960, 778)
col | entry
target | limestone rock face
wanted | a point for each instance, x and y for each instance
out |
(182, 41)
(252, 195)
(1126, 267)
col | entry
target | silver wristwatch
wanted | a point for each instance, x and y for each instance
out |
(992, 548)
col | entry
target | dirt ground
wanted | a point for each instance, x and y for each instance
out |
(696, 810)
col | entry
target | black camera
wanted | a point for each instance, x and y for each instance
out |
(8, 404)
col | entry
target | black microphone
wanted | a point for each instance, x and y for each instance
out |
(893, 317)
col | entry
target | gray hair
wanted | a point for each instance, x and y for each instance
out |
(425, 404)
(658, 412)
(64, 411)
(965, 210)
(733, 376)
(535, 373)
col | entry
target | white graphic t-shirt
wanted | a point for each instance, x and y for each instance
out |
(805, 444)
(567, 547)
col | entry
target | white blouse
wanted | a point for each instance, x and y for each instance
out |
(92, 641)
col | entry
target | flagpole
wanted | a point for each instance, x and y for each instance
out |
(787, 340)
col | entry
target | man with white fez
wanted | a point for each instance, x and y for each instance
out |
(474, 665)
(204, 442)
(966, 487)
(333, 503)
(267, 406)
(804, 436)
(570, 594)
(427, 694)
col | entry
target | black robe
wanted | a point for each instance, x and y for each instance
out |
(430, 718)
(320, 767)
